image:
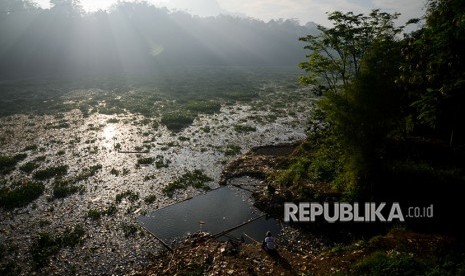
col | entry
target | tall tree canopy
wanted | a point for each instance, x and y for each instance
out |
(336, 52)
(433, 72)
(384, 92)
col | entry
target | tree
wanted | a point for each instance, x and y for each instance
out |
(9, 6)
(336, 52)
(363, 118)
(433, 72)
(68, 8)
(355, 64)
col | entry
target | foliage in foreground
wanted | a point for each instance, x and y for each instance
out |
(337, 52)
(399, 252)
(380, 263)
(355, 117)
(370, 107)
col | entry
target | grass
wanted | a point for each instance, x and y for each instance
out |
(297, 170)
(51, 172)
(21, 195)
(399, 252)
(195, 179)
(380, 263)
(47, 245)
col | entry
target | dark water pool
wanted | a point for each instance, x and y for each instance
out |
(219, 210)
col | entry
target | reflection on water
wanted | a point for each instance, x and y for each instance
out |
(109, 132)
(109, 142)
(219, 210)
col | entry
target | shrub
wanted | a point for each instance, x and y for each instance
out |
(296, 171)
(379, 263)
(325, 165)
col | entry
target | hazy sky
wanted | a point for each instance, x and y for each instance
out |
(303, 10)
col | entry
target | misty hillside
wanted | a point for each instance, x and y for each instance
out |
(135, 38)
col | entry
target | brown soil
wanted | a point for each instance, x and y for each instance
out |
(259, 162)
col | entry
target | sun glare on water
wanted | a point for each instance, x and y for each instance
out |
(109, 132)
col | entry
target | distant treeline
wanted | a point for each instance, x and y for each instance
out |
(136, 37)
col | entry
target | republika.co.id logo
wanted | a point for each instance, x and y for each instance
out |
(353, 212)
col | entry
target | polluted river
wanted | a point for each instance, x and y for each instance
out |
(112, 173)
